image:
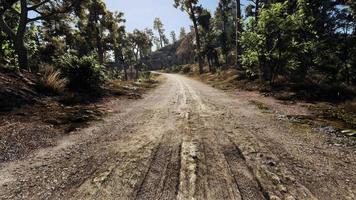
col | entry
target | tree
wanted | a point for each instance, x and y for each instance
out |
(116, 38)
(191, 8)
(238, 33)
(209, 39)
(45, 9)
(173, 37)
(185, 50)
(253, 9)
(225, 18)
(182, 33)
(158, 26)
(141, 46)
(96, 25)
(150, 36)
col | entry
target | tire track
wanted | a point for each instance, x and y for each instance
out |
(245, 179)
(160, 171)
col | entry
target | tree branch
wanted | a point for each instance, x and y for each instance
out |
(34, 7)
(15, 11)
(5, 27)
(48, 16)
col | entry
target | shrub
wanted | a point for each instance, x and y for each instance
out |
(176, 68)
(83, 73)
(186, 69)
(52, 81)
(146, 75)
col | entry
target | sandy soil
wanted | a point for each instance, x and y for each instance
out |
(186, 140)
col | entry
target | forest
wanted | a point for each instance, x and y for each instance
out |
(296, 39)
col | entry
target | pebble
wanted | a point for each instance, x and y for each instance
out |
(274, 197)
(290, 198)
(271, 163)
(275, 179)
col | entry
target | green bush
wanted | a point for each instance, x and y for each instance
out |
(145, 76)
(83, 73)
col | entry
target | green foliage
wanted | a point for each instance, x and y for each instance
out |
(145, 76)
(162, 39)
(288, 40)
(293, 41)
(7, 54)
(82, 73)
(252, 44)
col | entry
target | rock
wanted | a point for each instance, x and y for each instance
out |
(274, 197)
(282, 188)
(290, 198)
(275, 179)
(350, 133)
(271, 163)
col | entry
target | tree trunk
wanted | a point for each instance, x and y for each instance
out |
(21, 52)
(197, 37)
(131, 72)
(137, 71)
(100, 50)
(125, 73)
(18, 37)
(226, 51)
(257, 10)
(238, 34)
(161, 40)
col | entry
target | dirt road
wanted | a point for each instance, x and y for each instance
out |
(186, 140)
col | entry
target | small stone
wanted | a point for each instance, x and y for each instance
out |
(274, 197)
(290, 198)
(282, 188)
(275, 179)
(271, 163)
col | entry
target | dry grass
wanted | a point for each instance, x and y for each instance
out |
(52, 81)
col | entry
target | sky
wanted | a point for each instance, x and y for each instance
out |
(141, 13)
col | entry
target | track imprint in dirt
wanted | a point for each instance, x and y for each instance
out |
(186, 140)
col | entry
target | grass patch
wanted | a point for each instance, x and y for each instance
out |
(51, 81)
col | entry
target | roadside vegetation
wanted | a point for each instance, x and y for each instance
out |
(275, 42)
(62, 64)
(292, 50)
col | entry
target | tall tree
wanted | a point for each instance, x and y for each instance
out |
(159, 27)
(44, 9)
(191, 8)
(173, 37)
(141, 46)
(96, 26)
(182, 33)
(224, 18)
(116, 37)
(208, 46)
(253, 9)
(238, 34)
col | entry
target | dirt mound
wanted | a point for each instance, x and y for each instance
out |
(30, 119)
(17, 89)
